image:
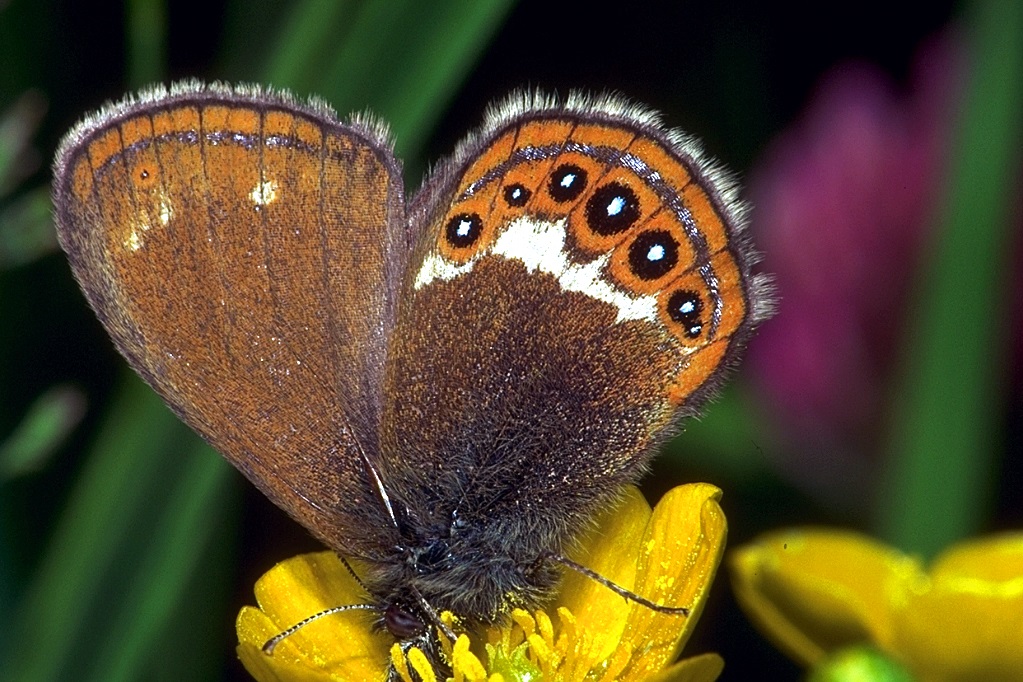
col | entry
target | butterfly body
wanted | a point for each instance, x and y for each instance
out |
(446, 391)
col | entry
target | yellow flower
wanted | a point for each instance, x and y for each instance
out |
(814, 592)
(668, 555)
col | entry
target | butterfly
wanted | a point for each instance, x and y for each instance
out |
(448, 387)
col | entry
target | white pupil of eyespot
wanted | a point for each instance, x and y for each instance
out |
(655, 253)
(568, 180)
(687, 307)
(464, 228)
(516, 193)
(616, 206)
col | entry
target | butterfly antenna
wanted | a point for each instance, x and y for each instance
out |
(355, 576)
(272, 643)
(616, 588)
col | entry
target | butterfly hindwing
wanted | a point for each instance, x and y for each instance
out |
(244, 253)
(580, 283)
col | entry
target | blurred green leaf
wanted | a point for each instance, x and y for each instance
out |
(147, 41)
(26, 229)
(725, 439)
(41, 431)
(400, 59)
(18, 126)
(409, 81)
(939, 484)
(126, 476)
(190, 516)
(308, 38)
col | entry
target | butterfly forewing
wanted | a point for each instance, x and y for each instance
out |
(580, 285)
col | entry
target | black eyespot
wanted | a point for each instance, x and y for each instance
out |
(516, 195)
(685, 307)
(613, 208)
(653, 254)
(567, 182)
(464, 229)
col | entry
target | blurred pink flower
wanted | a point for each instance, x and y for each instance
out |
(841, 201)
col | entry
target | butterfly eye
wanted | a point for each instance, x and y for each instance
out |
(567, 182)
(516, 195)
(653, 254)
(685, 307)
(612, 209)
(401, 622)
(463, 230)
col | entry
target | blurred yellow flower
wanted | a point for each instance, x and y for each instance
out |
(668, 555)
(814, 592)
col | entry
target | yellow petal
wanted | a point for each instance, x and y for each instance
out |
(703, 668)
(965, 621)
(668, 556)
(611, 550)
(995, 558)
(294, 590)
(682, 547)
(816, 591)
(264, 669)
